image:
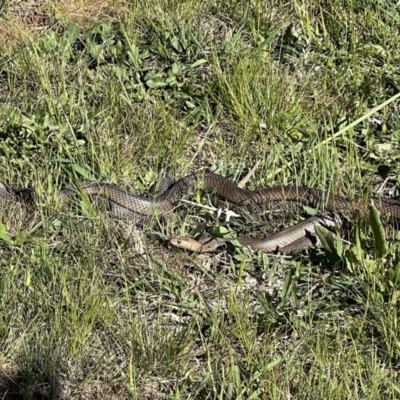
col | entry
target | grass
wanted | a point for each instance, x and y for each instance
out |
(129, 92)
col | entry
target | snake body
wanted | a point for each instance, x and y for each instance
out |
(124, 203)
(289, 241)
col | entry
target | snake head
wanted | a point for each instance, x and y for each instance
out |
(203, 245)
(186, 243)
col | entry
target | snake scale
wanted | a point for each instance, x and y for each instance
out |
(288, 241)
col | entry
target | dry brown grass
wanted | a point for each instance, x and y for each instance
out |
(24, 21)
(86, 13)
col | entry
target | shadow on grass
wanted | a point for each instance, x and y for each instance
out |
(27, 384)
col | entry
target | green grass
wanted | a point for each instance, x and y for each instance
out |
(107, 308)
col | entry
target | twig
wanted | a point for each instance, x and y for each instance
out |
(243, 182)
(228, 213)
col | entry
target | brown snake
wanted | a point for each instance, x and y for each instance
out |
(289, 241)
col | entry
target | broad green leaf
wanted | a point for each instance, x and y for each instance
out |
(332, 244)
(176, 44)
(380, 243)
(82, 171)
(175, 68)
(225, 232)
(190, 104)
(72, 32)
(150, 176)
(155, 82)
(310, 211)
(4, 235)
(198, 63)
(326, 237)
(28, 278)
(235, 374)
(19, 239)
